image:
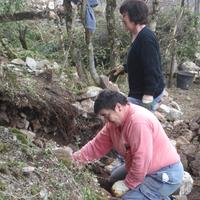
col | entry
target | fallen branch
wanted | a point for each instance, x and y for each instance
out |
(32, 15)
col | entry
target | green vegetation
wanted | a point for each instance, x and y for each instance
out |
(2, 186)
(90, 194)
(4, 168)
(187, 37)
(20, 136)
(4, 148)
(11, 6)
(35, 189)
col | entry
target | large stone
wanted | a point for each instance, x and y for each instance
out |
(92, 91)
(171, 114)
(88, 105)
(18, 61)
(187, 184)
(43, 64)
(188, 149)
(31, 63)
(189, 66)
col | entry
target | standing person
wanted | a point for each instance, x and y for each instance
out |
(145, 78)
(152, 169)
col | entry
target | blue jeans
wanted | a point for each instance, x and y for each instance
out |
(156, 101)
(156, 186)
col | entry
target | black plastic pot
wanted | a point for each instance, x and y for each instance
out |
(184, 80)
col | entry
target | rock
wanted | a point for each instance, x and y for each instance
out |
(28, 170)
(92, 91)
(187, 185)
(175, 105)
(189, 66)
(4, 120)
(184, 160)
(31, 63)
(23, 115)
(181, 140)
(174, 114)
(109, 168)
(171, 114)
(195, 165)
(43, 64)
(188, 134)
(18, 61)
(88, 105)
(188, 98)
(63, 153)
(36, 125)
(178, 122)
(194, 126)
(21, 123)
(44, 194)
(188, 149)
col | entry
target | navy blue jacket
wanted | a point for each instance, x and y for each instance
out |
(144, 66)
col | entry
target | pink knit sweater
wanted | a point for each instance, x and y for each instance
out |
(141, 140)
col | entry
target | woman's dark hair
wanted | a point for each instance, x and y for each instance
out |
(137, 11)
(107, 99)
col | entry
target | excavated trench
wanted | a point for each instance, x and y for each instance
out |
(52, 116)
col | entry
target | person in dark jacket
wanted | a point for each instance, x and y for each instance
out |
(145, 78)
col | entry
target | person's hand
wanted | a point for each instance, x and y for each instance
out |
(119, 188)
(147, 102)
(64, 154)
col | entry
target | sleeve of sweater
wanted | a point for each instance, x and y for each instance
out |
(141, 152)
(96, 148)
(150, 61)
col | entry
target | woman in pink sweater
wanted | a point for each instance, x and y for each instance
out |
(152, 168)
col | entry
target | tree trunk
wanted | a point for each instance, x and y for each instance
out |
(197, 6)
(112, 34)
(92, 68)
(173, 47)
(22, 36)
(153, 23)
(32, 15)
(88, 38)
(70, 16)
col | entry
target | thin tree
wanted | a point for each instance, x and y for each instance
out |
(112, 33)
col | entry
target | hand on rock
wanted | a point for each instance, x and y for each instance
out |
(119, 188)
(64, 154)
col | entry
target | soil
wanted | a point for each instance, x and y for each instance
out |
(189, 102)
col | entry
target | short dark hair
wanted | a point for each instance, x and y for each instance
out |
(137, 11)
(107, 99)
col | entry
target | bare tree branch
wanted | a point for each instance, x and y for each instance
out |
(32, 15)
